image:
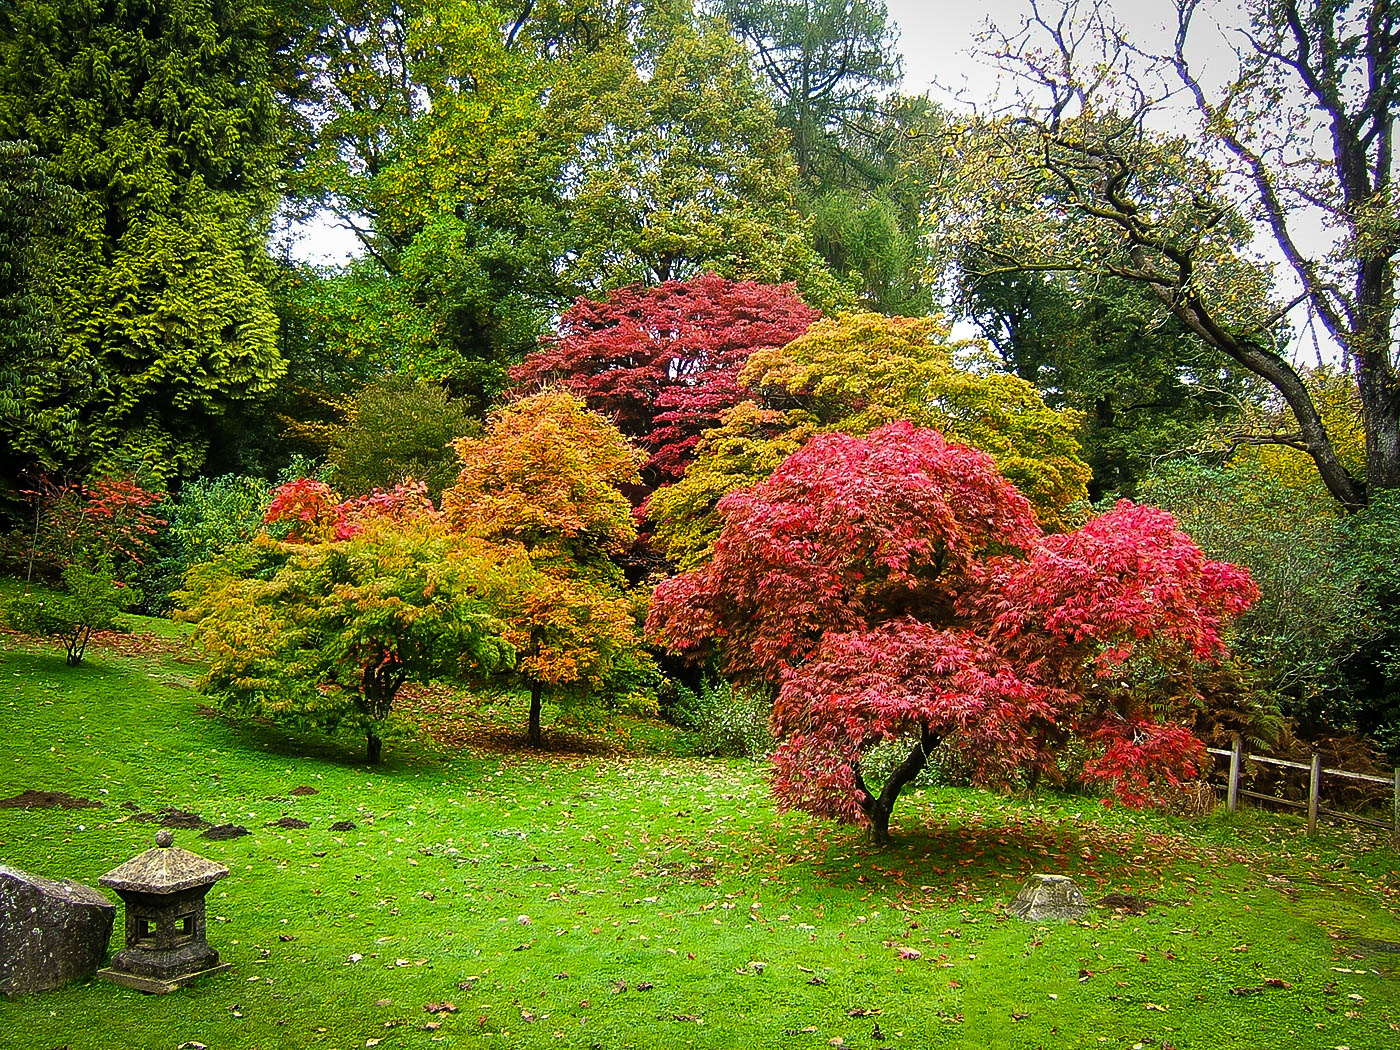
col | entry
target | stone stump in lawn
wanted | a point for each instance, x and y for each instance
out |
(1049, 898)
(51, 931)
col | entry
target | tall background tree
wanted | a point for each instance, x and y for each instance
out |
(161, 118)
(1299, 137)
(832, 68)
(33, 207)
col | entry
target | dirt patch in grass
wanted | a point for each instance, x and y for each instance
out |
(303, 789)
(170, 817)
(1127, 902)
(223, 832)
(289, 822)
(31, 799)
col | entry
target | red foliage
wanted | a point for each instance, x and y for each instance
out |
(107, 518)
(314, 512)
(663, 362)
(846, 533)
(311, 510)
(896, 587)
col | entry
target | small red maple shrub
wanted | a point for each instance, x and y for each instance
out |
(663, 362)
(897, 588)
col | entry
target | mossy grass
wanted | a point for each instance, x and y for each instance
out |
(630, 897)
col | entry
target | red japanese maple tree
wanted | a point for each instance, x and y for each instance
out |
(896, 588)
(663, 362)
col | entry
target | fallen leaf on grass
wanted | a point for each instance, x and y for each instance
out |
(1154, 1006)
(816, 980)
(1018, 1017)
(440, 1008)
(862, 1011)
(1277, 982)
(692, 1018)
(910, 953)
(430, 1026)
(809, 1030)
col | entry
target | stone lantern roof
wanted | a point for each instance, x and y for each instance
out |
(163, 870)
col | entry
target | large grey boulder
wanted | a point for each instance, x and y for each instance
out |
(1049, 897)
(51, 932)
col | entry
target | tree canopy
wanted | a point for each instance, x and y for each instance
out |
(1300, 138)
(165, 129)
(852, 374)
(896, 588)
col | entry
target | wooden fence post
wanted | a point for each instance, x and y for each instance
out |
(1397, 805)
(1314, 789)
(1232, 793)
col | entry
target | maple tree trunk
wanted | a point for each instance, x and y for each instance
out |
(534, 734)
(374, 747)
(878, 808)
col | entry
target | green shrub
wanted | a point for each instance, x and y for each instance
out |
(399, 429)
(91, 601)
(1325, 633)
(726, 720)
(212, 515)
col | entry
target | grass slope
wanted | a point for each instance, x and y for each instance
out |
(652, 901)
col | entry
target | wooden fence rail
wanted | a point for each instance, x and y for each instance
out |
(1316, 771)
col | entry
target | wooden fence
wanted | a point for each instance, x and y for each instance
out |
(1316, 771)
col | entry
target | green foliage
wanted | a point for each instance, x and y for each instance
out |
(426, 144)
(1145, 386)
(1327, 588)
(399, 429)
(320, 635)
(676, 166)
(165, 129)
(210, 517)
(826, 62)
(728, 721)
(33, 206)
(91, 600)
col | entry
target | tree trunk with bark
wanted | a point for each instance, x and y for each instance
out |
(533, 736)
(877, 808)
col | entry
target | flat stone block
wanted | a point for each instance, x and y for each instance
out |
(1049, 898)
(154, 986)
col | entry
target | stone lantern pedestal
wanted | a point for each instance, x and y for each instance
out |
(163, 890)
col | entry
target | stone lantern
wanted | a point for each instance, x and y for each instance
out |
(163, 890)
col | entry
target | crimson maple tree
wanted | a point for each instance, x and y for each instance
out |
(663, 362)
(896, 588)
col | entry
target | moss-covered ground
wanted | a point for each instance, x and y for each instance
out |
(634, 898)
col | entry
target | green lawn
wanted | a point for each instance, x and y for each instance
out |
(639, 900)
